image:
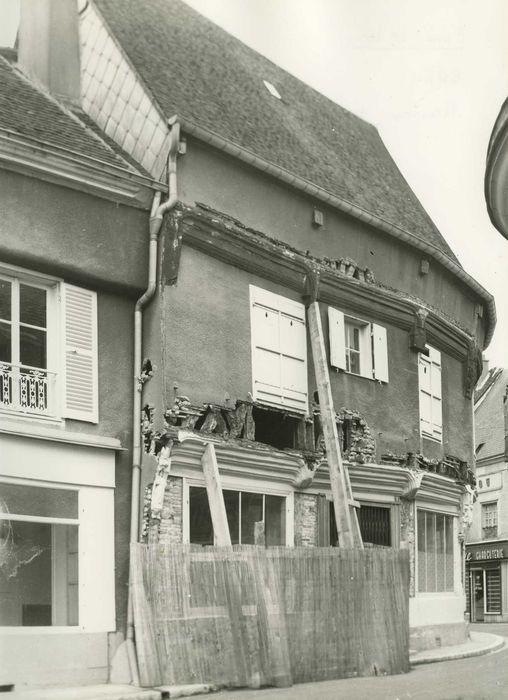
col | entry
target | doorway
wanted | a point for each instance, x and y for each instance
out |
(477, 592)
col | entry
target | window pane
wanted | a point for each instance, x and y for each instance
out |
(449, 567)
(40, 582)
(493, 585)
(32, 305)
(32, 350)
(275, 520)
(232, 503)
(354, 362)
(5, 342)
(422, 559)
(375, 525)
(5, 300)
(252, 512)
(430, 534)
(200, 521)
(440, 552)
(33, 500)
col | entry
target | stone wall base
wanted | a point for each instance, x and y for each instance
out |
(435, 636)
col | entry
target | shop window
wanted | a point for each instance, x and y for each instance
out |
(489, 520)
(252, 517)
(39, 577)
(374, 521)
(431, 412)
(435, 552)
(279, 350)
(493, 590)
(358, 347)
(47, 368)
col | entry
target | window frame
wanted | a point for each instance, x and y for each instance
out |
(240, 486)
(373, 346)
(485, 516)
(433, 364)
(64, 362)
(452, 521)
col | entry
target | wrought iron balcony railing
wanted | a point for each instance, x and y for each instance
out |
(27, 389)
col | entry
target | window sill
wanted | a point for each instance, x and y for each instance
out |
(438, 441)
(10, 631)
(25, 416)
(339, 370)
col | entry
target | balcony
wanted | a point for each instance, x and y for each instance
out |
(28, 390)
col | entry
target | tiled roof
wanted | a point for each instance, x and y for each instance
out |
(489, 415)
(30, 112)
(200, 72)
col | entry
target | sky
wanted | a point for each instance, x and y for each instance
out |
(430, 75)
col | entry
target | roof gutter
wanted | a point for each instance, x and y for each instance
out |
(352, 209)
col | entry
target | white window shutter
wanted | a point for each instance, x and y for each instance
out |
(279, 350)
(380, 350)
(424, 369)
(337, 338)
(80, 354)
(437, 404)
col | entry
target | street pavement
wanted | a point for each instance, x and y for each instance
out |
(477, 678)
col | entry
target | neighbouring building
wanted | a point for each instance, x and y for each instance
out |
(272, 188)
(73, 260)
(487, 542)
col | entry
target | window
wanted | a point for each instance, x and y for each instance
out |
(489, 520)
(279, 350)
(48, 348)
(358, 347)
(39, 566)
(429, 374)
(375, 524)
(435, 551)
(493, 590)
(251, 517)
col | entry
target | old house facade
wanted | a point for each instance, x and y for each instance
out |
(487, 541)
(73, 250)
(277, 187)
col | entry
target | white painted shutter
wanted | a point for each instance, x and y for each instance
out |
(437, 411)
(380, 350)
(337, 338)
(431, 415)
(80, 354)
(279, 350)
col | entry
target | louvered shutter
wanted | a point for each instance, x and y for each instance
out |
(279, 350)
(337, 338)
(380, 349)
(431, 414)
(80, 354)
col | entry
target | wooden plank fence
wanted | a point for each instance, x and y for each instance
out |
(249, 616)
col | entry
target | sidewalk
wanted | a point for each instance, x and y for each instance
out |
(479, 643)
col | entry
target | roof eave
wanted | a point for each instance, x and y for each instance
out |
(347, 207)
(60, 166)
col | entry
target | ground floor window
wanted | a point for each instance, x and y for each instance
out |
(493, 590)
(38, 556)
(375, 524)
(435, 551)
(253, 518)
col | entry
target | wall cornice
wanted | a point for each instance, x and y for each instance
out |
(227, 240)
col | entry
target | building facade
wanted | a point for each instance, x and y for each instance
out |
(73, 250)
(487, 542)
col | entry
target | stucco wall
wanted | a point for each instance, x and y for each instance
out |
(266, 205)
(206, 324)
(60, 231)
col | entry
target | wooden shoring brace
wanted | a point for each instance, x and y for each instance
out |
(215, 497)
(346, 517)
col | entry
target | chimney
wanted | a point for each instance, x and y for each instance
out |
(48, 45)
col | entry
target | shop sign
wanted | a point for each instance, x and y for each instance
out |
(487, 552)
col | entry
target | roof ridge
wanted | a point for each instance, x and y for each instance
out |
(65, 109)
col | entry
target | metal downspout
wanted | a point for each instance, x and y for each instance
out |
(156, 217)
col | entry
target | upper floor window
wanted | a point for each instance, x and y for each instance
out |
(489, 520)
(48, 350)
(358, 347)
(279, 350)
(429, 376)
